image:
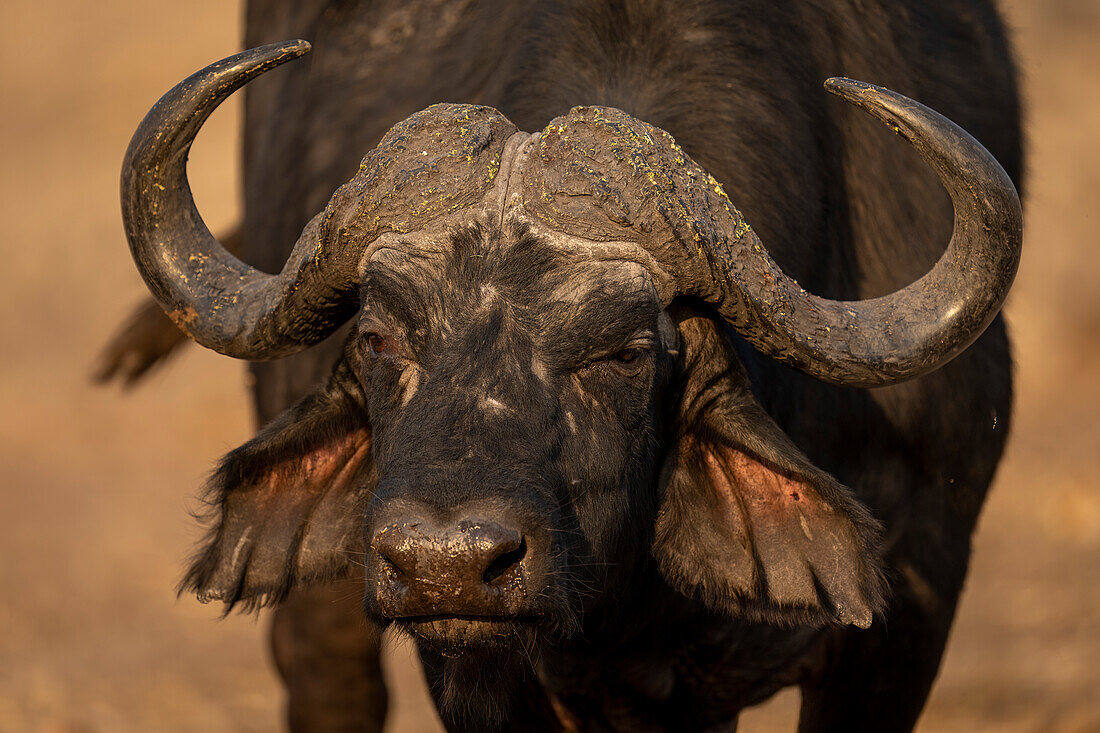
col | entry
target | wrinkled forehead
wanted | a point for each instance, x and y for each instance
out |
(518, 262)
(508, 216)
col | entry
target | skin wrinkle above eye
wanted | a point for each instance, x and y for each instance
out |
(421, 265)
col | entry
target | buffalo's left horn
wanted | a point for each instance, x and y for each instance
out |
(215, 298)
(907, 333)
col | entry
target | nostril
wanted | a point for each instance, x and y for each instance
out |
(390, 564)
(397, 547)
(505, 562)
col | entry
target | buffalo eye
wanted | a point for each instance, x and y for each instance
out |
(628, 361)
(377, 344)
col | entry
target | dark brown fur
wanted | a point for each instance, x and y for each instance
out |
(844, 207)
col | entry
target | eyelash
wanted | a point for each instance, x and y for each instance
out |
(627, 356)
(629, 361)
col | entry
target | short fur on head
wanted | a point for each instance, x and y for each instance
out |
(733, 513)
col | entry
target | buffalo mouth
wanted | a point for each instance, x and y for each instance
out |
(459, 631)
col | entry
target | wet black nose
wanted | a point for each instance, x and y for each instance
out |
(472, 567)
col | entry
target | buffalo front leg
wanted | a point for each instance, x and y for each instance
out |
(327, 653)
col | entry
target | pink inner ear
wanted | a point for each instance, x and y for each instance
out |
(333, 526)
(301, 514)
(767, 495)
(307, 477)
(807, 552)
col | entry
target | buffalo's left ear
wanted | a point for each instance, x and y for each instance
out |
(747, 524)
(286, 507)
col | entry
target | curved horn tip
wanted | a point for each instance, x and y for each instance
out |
(294, 48)
(268, 56)
(850, 89)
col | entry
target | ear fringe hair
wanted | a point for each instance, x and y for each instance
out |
(319, 418)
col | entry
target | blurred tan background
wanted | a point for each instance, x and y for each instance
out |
(97, 484)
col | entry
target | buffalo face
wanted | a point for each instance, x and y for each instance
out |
(495, 369)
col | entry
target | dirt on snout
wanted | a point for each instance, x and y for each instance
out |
(96, 484)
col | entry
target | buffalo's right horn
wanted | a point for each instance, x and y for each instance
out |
(215, 298)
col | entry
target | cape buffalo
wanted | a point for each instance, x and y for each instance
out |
(585, 435)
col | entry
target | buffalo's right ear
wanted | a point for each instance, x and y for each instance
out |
(286, 506)
(748, 524)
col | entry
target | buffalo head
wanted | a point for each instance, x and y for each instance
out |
(539, 402)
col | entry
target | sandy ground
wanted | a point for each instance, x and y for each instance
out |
(96, 484)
